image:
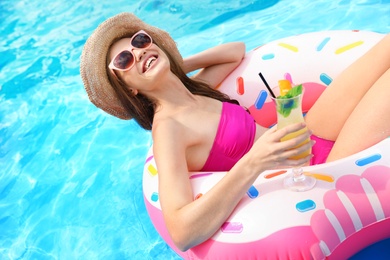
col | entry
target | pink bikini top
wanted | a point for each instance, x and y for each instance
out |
(235, 136)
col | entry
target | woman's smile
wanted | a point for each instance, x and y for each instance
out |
(149, 62)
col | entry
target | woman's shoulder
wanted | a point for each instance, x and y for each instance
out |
(171, 128)
(165, 126)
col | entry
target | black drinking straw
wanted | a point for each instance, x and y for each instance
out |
(266, 84)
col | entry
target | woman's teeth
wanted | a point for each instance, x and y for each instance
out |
(149, 62)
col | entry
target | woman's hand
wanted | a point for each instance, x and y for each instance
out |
(215, 63)
(269, 152)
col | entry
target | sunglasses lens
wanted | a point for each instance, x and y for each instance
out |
(123, 60)
(141, 41)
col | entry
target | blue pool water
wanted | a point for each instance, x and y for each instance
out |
(70, 175)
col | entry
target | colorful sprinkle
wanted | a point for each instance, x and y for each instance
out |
(326, 79)
(252, 192)
(323, 43)
(274, 174)
(261, 99)
(240, 86)
(305, 205)
(268, 56)
(348, 47)
(198, 196)
(369, 159)
(320, 176)
(232, 227)
(154, 197)
(152, 170)
(288, 46)
(288, 77)
(199, 175)
(149, 159)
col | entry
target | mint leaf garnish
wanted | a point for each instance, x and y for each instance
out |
(284, 107)
(293, 92)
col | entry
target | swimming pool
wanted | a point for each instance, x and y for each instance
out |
(70, 176)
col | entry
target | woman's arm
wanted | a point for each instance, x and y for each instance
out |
(215, 63)
(191, 222)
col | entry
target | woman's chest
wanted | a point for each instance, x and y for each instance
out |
(202, 127)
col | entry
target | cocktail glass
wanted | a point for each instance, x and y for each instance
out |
(289, 111)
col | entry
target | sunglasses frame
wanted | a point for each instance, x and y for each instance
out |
(112, 67)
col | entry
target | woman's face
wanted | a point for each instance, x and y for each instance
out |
(149, 67)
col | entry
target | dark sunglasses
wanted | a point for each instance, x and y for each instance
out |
(125, 59)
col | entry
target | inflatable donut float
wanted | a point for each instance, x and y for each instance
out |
(349, 207)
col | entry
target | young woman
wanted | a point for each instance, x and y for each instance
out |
(133, 70)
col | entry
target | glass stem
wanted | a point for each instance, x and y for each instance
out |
(298, 174)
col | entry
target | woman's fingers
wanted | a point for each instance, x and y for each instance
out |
(296, 141)
(298, 150)
(271, 152)
(279, 133)
(284, 150)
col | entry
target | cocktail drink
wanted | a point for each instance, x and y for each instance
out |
(288, 103)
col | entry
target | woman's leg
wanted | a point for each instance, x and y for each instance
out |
(330, 113)
(369, 122)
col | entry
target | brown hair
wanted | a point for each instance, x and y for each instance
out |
(142, 108)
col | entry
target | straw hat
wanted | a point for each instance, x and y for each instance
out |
(93, 64)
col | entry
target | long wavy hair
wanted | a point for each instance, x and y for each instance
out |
(142, 108)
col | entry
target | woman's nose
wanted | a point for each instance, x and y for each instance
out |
(138, 53)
